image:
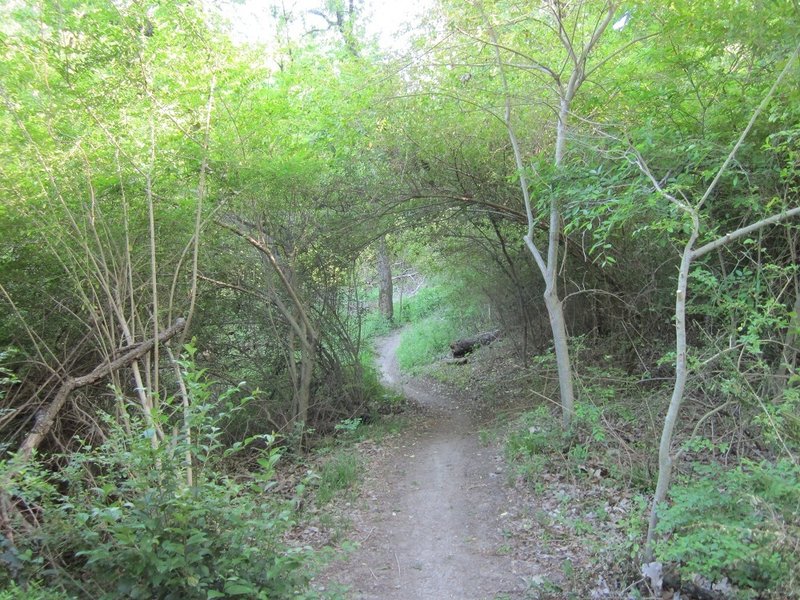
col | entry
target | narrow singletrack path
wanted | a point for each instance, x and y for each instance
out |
(430, 521)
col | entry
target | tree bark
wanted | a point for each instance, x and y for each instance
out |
(385, 293)
(665, 459)
(307, 361)
(555, 312)
(45, 419)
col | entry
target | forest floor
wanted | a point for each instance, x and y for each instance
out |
(431, 518)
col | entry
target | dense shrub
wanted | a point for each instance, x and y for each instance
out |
(121, 521)
(743, 524)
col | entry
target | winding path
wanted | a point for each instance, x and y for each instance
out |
(430, 523)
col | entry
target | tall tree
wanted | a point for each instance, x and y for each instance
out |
(690, 253)
(578, 37)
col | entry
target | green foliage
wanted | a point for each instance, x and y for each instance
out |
(32, 592)
(105, 102)
(537, 436)
(337, 474)
(426, 302)
(347, 426)
(746, 298)
(634, 526)
(437, 315)
(374, 325)
(123, 515)
(7, 376)
(741, 523)
(781, 420)
(588, 417)
(534, 437)
(426, 341)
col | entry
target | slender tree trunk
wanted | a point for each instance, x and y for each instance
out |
(153, 389)
(308, 360)
(555, 308)
(548, 265)
(665, 458)
(555, 311)
(385, 293)
(198, 219)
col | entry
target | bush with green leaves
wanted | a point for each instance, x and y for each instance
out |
(122, 521)
(742, 523)
(536, 433)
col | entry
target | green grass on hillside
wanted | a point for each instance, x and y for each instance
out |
(426, 341)
(435, 316)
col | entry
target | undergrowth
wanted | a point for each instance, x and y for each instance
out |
(124, 520)
(339, 473)
(742, 524)
(435, 316)
(730, 520)
(426, 341)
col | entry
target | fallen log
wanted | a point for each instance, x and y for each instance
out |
(461, 348)
(45, 418)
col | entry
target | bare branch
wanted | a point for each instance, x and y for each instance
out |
(45, 419)
(512, 136)
(534, 64)
(743, 231)
(644, 168)
(596, 34)
(287, 285)
(201, 195)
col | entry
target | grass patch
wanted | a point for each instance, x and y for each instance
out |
(375, 325)
(414, 309)
(436, 315)
(425, 342)
(340, 465)
(424, 303)
(339, 473)
(386, 426)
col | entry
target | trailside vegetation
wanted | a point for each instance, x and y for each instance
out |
(200, 239)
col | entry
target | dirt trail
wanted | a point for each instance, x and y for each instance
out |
(430, 522)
